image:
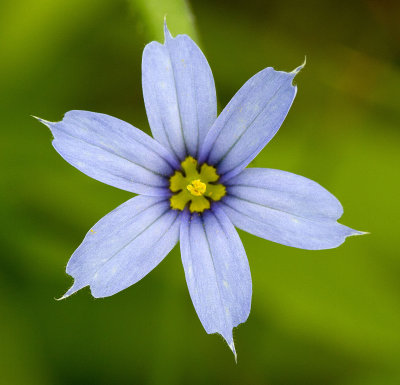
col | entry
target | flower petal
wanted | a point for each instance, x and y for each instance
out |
(285, 208)
(217, 271)
(179, 94)
(124, 246)
(249, 121)
(113, 152)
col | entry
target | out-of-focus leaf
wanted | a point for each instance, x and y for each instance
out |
(34, 31)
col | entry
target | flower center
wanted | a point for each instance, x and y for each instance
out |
(194, 187)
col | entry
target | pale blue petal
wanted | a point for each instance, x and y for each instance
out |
(179, 94)
(285, 208)
(124, 246)
(113, 152)
(286, 192)
(249, 121)
(217, 271)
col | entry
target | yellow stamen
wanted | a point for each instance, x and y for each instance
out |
(197, 187)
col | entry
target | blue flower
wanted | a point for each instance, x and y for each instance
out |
(192, 184)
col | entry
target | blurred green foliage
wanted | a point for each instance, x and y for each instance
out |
(327, 317)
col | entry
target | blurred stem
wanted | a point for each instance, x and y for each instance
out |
(150, 15)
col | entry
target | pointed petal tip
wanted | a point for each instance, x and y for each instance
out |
(167, 34)
(229, 340)
(45, 122)
(73, 289)
(66, 295)
(356, 232)
(232, 347)
(61, 298)
(300, 67)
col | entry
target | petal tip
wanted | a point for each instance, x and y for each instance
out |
(45, 122)
(73, 289)
(229, 339)
(300, 67)
(167, 34)
(232, 347)
(356, 232)
(62, 297)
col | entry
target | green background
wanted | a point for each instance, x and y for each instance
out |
(318, 317)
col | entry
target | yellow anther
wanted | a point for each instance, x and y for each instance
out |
(197, 187)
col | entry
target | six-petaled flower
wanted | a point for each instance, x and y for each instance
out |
(192, 184)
